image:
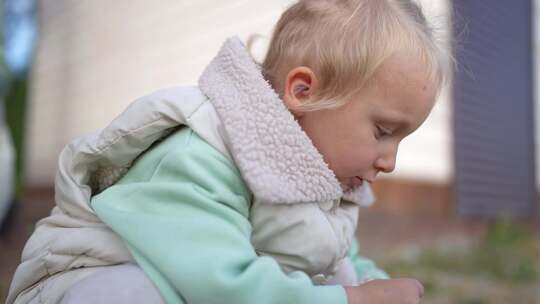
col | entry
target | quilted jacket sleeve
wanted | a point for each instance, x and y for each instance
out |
(182, 210)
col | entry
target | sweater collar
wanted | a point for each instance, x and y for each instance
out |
(275, 156)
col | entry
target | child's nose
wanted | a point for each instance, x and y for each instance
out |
(387, 162)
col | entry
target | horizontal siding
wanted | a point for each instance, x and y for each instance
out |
(495, 171)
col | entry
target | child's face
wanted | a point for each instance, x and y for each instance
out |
(361, 138)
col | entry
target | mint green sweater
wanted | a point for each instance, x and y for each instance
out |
(182, 210)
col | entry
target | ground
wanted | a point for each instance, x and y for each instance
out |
(459, 261)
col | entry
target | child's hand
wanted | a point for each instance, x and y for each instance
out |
(395, 291)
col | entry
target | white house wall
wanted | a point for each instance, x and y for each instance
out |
(95, 57)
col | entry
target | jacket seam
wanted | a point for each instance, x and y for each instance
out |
(132, 131)
(108, 145)
(184, 147)
(196, 109)
(44, 258)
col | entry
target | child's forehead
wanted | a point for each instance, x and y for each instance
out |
(399, 83)
(402, 72)
(402, 91)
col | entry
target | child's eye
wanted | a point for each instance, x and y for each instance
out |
(381, 132)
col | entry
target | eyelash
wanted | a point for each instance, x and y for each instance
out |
(381, 132)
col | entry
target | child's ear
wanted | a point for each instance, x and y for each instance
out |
(300, 84)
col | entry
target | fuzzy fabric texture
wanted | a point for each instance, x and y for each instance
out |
(275, 156)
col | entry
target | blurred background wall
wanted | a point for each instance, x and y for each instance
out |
(493, 108)
(94, 57)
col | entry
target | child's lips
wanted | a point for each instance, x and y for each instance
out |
(351, 183)
(357, 181)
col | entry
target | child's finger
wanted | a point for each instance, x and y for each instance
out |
(420, 288)
(415, 282)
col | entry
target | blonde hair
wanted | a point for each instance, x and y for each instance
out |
(345, 41)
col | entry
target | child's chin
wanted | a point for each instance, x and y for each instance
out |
(345, 188)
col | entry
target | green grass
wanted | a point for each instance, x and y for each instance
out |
(505, 260)
(507, 253)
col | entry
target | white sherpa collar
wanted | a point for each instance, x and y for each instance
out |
(274, 155)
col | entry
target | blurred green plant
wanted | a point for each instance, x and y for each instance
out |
(508, 253)
(471, 301)
(502, 266)
(16, 103)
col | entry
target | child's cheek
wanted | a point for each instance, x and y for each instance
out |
(367, 159)
(358, 163)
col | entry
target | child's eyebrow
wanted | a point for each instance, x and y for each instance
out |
(396, 120)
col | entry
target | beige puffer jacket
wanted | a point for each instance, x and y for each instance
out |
(236, 111)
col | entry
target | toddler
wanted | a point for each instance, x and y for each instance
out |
(245, 188)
